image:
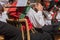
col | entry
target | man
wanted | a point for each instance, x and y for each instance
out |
(38, 22)
(52, 13)
(10, 32)
(36, 16)
(37, 19)
(51, 27)
(58, 12)
(58, 15)
(3, 13)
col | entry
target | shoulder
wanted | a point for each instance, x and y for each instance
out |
(4, 13)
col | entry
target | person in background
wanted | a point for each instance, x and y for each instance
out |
(58, 15)
(10, 32)
(3, 13)
(12, 12)
(4, 16)
(47, 8)
(45, 24)
(58, 12)
(49, 12)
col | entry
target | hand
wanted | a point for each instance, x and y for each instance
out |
(6, 7)
(39, 7)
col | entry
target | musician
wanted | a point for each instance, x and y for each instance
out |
(35, 15)
(10, 32)
(58, 12)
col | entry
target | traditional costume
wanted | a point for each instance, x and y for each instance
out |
(10, 32)
(36, 18)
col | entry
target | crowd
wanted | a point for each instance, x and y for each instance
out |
(43, 16)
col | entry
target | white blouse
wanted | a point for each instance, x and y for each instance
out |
(3, 17)
(36, 18)
(58, 16)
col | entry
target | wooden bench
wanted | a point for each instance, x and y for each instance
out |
(1, 37)
(57, 37)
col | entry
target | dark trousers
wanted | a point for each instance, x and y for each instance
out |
(10, 32)
(40, 35)
(51, 29)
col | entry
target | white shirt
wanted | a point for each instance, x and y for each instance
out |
(58, 16)
(3, 17)
(48, 17)
(36, 18)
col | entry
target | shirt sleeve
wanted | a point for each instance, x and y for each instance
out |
(58, 16)
(5, 14)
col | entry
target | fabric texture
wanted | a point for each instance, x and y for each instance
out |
(4, 16)
(36, 18)
(10, 32)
